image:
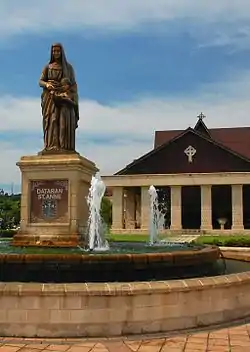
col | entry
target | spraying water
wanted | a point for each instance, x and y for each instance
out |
(156, 217)
(96, 233)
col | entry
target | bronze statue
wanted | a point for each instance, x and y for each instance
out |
(59, 102)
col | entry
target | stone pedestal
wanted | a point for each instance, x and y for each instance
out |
(54, 210)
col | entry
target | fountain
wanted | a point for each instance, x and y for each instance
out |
(96, 235)
(156, 217)
(101, 261)
(51, 287)
(115, 288)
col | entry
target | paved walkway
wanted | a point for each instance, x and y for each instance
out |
(182, 238)
(232, 339)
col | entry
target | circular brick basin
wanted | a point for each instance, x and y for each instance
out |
(109, 267)
(114, 309)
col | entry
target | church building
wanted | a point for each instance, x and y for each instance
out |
(202, 177)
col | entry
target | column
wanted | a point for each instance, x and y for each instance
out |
(130, 209)
(117, 208)
(176, 208)
(237, 207)
(144, 209)
(206, 207)
(138, 210)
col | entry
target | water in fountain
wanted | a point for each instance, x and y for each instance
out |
(156, 217)
(96, 228)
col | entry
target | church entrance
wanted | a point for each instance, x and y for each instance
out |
(191, 207)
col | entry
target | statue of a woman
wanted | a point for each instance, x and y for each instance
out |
(59, 102)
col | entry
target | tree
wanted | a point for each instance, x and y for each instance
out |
(106, 211)
(9, 210)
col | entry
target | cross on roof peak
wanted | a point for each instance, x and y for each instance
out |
(201, 116)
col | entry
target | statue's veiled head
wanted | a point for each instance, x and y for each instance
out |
(57, 53)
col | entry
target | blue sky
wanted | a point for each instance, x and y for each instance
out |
(140, 65)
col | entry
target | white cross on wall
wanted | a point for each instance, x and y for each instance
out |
(190, 152)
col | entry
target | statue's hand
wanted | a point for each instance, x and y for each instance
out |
(49, 86)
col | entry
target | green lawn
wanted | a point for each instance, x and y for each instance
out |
(132, 237)
(127, 238)
(222, 240)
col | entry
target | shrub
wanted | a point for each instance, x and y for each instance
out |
(7, 233)
(225, 241)
(106, 211)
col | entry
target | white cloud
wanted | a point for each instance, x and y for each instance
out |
(224, 23)
(129, 125)
(233, 36)
(30, 16)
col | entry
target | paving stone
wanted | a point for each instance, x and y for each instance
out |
(232, 339)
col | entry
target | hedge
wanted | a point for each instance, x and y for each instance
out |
(225, 241)
(7, 233)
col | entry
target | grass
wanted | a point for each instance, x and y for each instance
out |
(127, 238)
(132, 237)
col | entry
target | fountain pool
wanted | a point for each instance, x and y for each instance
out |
(100, 261)
(123, 262)
(118, 288)
(101, 309)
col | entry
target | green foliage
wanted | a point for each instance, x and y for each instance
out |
(225, 241)
(9, 210)
(106, 211)
(7, 233)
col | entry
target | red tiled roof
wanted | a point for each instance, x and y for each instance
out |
(235, 138)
